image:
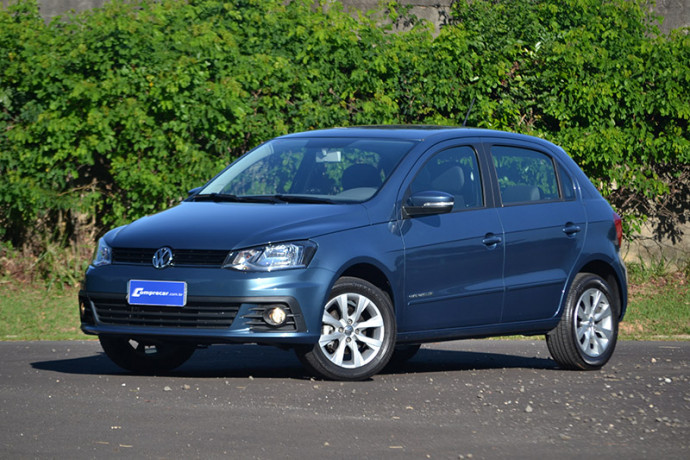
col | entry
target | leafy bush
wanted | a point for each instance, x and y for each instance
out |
(114, 113)
(594, 77)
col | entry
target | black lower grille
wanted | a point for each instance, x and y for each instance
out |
(201, 314)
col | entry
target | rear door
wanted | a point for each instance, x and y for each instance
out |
(454, 261)
(544, 225)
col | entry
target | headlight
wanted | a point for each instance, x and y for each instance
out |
(272, 257)
(103, 254)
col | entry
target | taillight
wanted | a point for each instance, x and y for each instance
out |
(619, 228)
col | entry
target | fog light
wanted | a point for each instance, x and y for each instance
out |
(82, 308)
(275, 316)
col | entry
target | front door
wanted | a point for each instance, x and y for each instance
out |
(453, 261)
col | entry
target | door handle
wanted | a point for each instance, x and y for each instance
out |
(571, 229)
(491, 240)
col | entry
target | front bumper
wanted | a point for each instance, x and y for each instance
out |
(223, 306)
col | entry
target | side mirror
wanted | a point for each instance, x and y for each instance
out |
(428, 203)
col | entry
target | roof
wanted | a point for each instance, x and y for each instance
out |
(411, 132)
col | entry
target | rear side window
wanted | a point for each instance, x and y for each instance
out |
(454, 171)
(524, 175)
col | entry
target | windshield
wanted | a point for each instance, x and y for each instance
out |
(310, 170)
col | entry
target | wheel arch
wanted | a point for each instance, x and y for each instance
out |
(374, 275)
(607, 272)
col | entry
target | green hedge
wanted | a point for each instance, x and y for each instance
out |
(115, 113)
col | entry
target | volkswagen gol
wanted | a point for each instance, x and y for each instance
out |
(353, 246)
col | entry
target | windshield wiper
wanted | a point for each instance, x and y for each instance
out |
(229, 197)
(217, 197)
(278, 198)
(303, 199)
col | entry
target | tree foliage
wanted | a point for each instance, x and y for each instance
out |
(114, 113)
(598, 79)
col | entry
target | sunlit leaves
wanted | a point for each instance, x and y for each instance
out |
(118, 111)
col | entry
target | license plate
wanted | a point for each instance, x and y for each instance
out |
(158, 293)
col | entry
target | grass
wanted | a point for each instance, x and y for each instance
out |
(659, 309)
(659, 305)
(37, 312)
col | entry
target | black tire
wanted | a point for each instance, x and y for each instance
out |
(145, 357)
(357, 333)
(588, 331)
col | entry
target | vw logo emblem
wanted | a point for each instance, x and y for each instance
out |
(163, 258)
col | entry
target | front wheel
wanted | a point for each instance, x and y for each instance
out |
(357, 333)
(144, 357)
(587, 333)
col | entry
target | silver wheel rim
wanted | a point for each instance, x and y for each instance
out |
(352, 331)
(593, 322)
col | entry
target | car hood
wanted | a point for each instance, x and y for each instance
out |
(209, 225)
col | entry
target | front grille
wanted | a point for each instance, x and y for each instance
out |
(200, 314)
(181, 257)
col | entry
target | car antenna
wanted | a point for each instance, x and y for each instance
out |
(464, 123)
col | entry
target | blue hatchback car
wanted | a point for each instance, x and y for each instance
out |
(353, 246)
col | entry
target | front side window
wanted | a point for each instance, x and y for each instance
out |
(454, 171)
(328, 169)
(524, 175)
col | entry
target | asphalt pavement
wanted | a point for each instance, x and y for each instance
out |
(465, 399)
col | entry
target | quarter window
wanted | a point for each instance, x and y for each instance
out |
(567, 186)
(454, 171)
(524, 175)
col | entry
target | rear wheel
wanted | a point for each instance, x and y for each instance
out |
(145, 356)
(587, 333)
(357, 333)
